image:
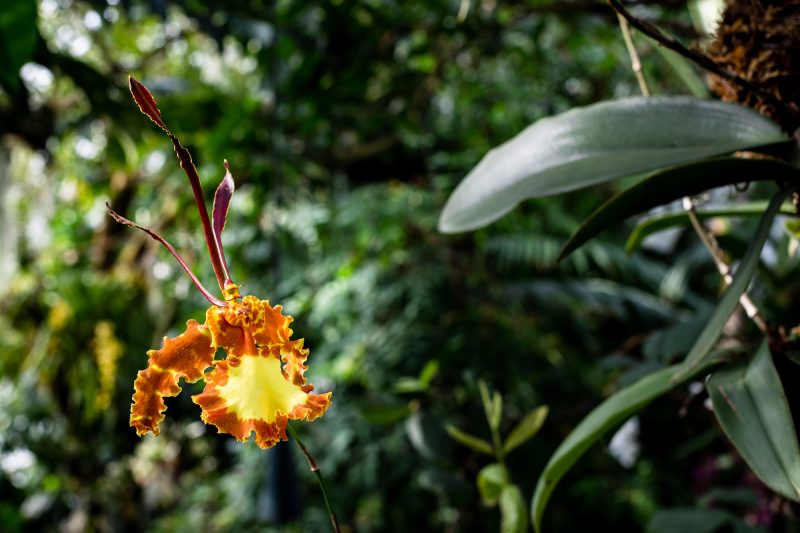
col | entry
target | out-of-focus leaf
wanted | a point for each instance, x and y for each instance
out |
(730, 299)
(384, 413)
(491, 480)
(19, 34)
(526, 429)
(683, 69)
(676, 340)
(429, 371)
(421, 383)
(513, 514)
(593, 144)
(674, 183)
(751, 407)
(446, 484)
(428, 437)
(688, 520)
(614, 410)
(658, 223)
(470, 441)
(492, 405)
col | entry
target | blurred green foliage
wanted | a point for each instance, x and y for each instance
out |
(346, 125)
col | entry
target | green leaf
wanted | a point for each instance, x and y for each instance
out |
(751, 407)
(594, 144)
(497, 411)
(689, 520)
(429, 371)
(658, 223)
(470, 441)
(526, 429)
(19, 35)
(613, 411)
(422, 383)
(683, 68)
(492, 405)
(513, 515)
(491, 480)
(730, 299)
(674, 183)
(428, 437)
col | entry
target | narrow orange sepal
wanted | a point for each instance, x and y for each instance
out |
(186, 356)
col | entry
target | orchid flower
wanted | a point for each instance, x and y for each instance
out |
(260, 384)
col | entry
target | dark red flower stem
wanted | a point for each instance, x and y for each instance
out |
(214, 246)
(122, 220)
(147, 105)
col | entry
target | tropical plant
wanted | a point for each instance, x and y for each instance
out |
(677, 142)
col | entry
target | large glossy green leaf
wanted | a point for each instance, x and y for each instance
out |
(658, 223)
(603, 418)
(593, 144)
(674, 183)
(730, 299)
(751, 407)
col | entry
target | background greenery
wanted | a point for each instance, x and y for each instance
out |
(346, 125)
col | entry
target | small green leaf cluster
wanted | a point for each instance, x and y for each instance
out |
(493, 481)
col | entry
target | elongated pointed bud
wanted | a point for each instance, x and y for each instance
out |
(219, 213)
(146, 103)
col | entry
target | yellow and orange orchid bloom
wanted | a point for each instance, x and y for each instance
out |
(260, 385)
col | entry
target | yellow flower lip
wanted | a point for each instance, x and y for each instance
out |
(259, 386)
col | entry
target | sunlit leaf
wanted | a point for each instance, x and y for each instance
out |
(751, 407)
(675, 183)
(491, 480)
(590, 145)
(527, 428)
(470, 441)
(513, 511)
(492, 405)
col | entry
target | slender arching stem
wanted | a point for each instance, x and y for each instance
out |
(312, 464)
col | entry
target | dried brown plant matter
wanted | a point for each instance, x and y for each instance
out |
(759, 40)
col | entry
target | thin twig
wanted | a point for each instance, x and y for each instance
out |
(698, 58)
(312, 465)
(722, 266)
(707, 238)
(636, 64)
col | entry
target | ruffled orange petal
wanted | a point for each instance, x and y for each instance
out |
(186, 356)
(260, 385)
